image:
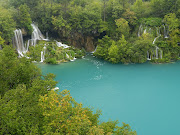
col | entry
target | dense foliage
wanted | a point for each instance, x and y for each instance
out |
(123, 31)
(30, 105)
(53, 53)
(77, 22)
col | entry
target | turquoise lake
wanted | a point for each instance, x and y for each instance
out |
(145, 96)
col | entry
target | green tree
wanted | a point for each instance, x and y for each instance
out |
(122, 45)
(125, 130)
(14, 71)
(113, 53)
(138, 8)
(122, 27)
(24, 19)
(130, 16)
(7, 25)
(102, 47)
(1, 41)
(171, 21)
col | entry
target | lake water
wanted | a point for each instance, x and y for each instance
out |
(145, 96)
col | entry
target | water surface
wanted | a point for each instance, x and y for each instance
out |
(145, 96)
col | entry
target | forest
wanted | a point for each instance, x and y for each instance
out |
(118, 31)
(126, 31)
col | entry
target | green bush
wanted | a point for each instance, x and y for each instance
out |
(152, 21)
(51, 61)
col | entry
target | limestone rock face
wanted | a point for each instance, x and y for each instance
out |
(24, 32)
(89, 44)
(82, 41)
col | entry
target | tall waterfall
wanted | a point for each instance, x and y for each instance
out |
(36, 35)
(19, 43)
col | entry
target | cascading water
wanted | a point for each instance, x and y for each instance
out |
(47, 36)
(158, 34)
(157, 48)
(158, 52)
(165, 32)
(161, 54)
(59, 44)
(36, 35)
(73, 59)
(43, 54)
(148, 56)
(67, 56)
(140, 30)
(149, 31)
(19, 43)
(94, 50)
(145, 31)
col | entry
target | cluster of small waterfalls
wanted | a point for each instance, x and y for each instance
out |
(155, 53)
(22, 48)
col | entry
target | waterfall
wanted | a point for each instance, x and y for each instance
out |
(154, 40)
(165, 32)
(157, 52)
(161, 54)
(158, 35)
(145, 31)
(47, 36)
(73, 59)
(19, 43)
(59, 44)
(36, 35)
(94, 50)
(157, 48)
(43, 54)
(148, 56)
(67, 56)
(139, 31)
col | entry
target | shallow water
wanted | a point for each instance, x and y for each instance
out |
(145, 96)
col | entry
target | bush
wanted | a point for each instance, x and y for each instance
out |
(51, 61)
